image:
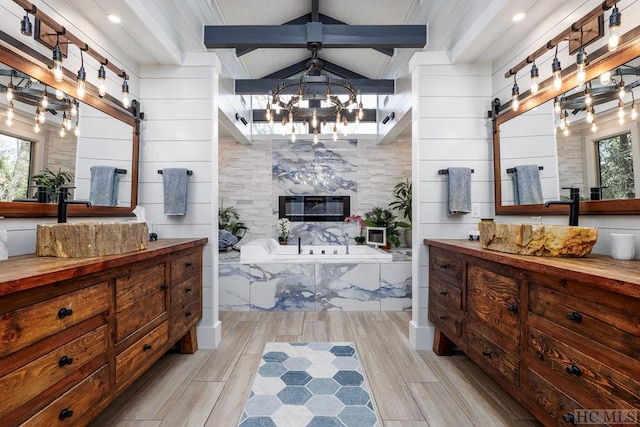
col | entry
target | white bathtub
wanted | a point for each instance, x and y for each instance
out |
(269, 251)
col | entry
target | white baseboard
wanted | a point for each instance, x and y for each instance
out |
(421, 337)
(209, 336)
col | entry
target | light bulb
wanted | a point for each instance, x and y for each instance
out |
(277, 107)
(515, 92)
(620, 110)
(74, 109)
(589, 115)
(62, 132)
(328, 93)
(268, 112)
(10, 91)
(57, 63)
(351, 107)
(614, 28)
(605, 78)
(82, 81)
(566, 132)
(535, 75)
(556, 105)
(588, 100)
(36, 127)
(315, 138)
(10, 111)
(45, 99)
(594, 128)
(293, 137)
(581, 64)
(622, 91)
(76, 131)
(621, 120)
(102, 75)
(125, 94)
(59, 94)
(557, 73)
(634, 111)
(9, 122)
(41, 116)
(314, 119)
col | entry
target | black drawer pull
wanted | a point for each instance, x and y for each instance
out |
(146, 347)
(486, 353)
(187, 314)
(569, 418)
(443, 317)
(188, 290)
(65, 413)
(65, 360)
(445, 293)
(188, 265)
(574, 370)
(575, 317)
(64, 312)
(164, 287)
(444, 266)
(512, 308)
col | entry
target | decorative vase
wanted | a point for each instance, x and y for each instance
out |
(282, 242)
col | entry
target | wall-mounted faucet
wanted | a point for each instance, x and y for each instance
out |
(63, 193)
(346, 241)
(574, 204)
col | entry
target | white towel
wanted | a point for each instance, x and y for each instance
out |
(459, 190)
(104, 186)
(174, 183)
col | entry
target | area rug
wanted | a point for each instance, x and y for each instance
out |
(316, 384)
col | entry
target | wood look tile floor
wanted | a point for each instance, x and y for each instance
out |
(410, 388)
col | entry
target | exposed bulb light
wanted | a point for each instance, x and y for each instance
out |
(9, 122)
(62, 131)
(515, 93)
(315, 137)
(614, 28)
(535, 76)
(74, 108)
(360, 109)
(588, 99)
(10, 110)
(634, 107)
(36, 125)
(328, 95)
(82, 82)
(566, 132)
(605, 78)
(102, 76)
(45, 99)
(581, 65)
(57, 62)
(41, 115)
(314, 119)
(594, 127)
(76, 130)
(590, 116)
(621, 110)
(557, 72)
(125, 94)
(556, 105)
(10, 89)
(621, 90)
(59, 94)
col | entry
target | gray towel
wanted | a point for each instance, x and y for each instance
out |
(526, 185)
(459, 190)
(104, 186)
(174, 183)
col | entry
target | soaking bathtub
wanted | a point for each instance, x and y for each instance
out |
(269, 251)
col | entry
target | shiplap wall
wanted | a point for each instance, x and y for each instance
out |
(449, 128)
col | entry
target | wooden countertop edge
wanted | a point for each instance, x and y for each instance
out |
(25, 272)
(600, 270)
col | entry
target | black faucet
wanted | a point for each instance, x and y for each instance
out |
(63, 193)
(574, 204)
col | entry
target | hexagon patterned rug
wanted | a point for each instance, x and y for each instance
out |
(317, 384)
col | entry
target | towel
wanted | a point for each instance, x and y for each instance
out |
(174, 183)
(104, 186)
(459, 190)
(226, 239)
(526, 185)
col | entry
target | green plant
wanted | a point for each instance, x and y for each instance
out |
(378, 217)
(403, 201)
(229, 219)
(51, 181)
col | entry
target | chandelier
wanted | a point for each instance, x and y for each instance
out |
(319, 102)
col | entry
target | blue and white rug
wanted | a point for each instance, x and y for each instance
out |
(318, 384)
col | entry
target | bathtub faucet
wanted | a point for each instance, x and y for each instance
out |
(346, 241)
(299, 246)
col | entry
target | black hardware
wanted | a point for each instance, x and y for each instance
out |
(574, 204)
(65, 413)
(189, 172)
(163, 287)
(187, 314)
(443, 317)
(575, 317)
(153, 237)
(512, 308)
(188, 290)
(486, 353)
(146, 347)
(64, 312)
(514, 170)
(446, 172)
(444, 266)
(574, 370)
(188, 265)
(65, 360)
(569, 418)
(63, 193)
(445, 293)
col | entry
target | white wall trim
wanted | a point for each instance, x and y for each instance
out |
(421, 337)
(209, 337)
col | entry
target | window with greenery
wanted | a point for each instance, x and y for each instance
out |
(615, 167)
(15, 167)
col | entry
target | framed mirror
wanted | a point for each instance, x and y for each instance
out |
(40, 147)
(554, 133)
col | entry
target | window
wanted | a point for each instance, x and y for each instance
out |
(15, 167)
(615, 167)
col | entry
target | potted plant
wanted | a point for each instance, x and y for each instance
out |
(403, 204)
(358, 220)
(48, 183)
(229, 220)
(378, 217)
(284, 227)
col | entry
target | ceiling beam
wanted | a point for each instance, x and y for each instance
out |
(364, 86)
(329, 35)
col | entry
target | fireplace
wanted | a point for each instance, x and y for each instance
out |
(314, 208)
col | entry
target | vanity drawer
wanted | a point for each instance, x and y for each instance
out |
(446, 263)
(185, 265)
(487, 353)
(68, 408)
(494, 299)
(616, 326)
(185, 292)
(560, 407)
(584, 371)
(184, 319)
(447, 320)
(146, 285)
(27, 325)
(450, 294)
(23, 384)
(141, 354)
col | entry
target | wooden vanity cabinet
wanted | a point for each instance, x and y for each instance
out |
(74, 333)
(561, 335)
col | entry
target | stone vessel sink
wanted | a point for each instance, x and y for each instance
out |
(90, 239)
(538, 239)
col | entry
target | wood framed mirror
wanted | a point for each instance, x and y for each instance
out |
(531, 136)
(109, 136)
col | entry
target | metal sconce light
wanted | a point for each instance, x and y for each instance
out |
(57, 60)
(581, 63)
(535, 75)
(614, 28)
(241, 119)
(125, 93)
(389, 117)
(556, 68)
(102, 76)
(26, 28)
(82, 78)
(515, 93)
